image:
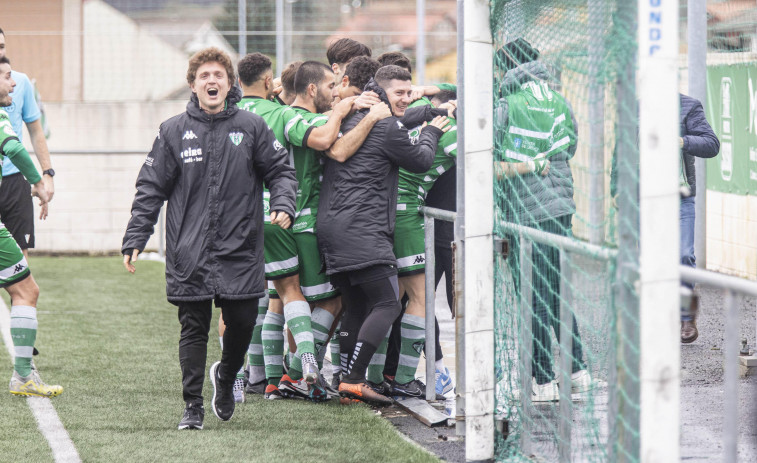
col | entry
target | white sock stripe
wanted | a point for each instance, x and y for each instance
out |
(274, 319)
(25, 323)
(409, 333)
(296, 309)
(378, 359)
(322, 317)
(255, 349)
(272, 360)
(23, 311)
(414, 320)
(272, 335)
(24, 351)
(306, 336)
(260, 320)
(320, 336)
(408, 361)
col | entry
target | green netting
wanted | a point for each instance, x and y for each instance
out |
(565, 154)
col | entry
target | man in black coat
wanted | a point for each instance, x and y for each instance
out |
(210, 163)
(356, 224)
(697, 140)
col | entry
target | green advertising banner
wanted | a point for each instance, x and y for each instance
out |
(732, 112)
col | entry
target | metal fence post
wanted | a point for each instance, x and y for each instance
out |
(242, 26)
(596, 123)
(459, 255)
(731, 388)
(525, 346)
(430, 312)
(566, 357)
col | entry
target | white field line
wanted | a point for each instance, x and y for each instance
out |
(47, 419)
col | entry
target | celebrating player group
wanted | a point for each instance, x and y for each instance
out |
(294, 206)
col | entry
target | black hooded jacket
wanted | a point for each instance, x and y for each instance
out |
(358, 200)
(211, 169)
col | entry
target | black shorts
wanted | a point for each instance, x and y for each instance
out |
(364, 275)
(17, 209)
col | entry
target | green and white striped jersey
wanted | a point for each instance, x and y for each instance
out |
(308, 166)
(287, 125)
(413, 188)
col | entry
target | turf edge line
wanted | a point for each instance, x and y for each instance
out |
(412, 442)
(48, 422)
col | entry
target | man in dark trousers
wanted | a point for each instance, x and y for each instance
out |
(210, 164)
(355, 224)
(697, 140)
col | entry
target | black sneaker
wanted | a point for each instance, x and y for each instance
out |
(194, 413)
(414, 388)
(257, 388)
(223, 395)
(382, 388)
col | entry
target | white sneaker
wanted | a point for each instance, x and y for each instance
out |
(547, 392)
(580, 381)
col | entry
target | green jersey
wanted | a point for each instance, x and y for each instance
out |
(413, 188)
(11, 148)
(283, 121)
(539, 123)
(308, 166)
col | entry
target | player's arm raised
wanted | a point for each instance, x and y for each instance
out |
(348, 144)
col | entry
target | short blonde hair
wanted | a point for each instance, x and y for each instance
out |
(210, 55)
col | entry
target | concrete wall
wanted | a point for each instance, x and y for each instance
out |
(96, 173)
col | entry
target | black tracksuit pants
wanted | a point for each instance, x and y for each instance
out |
(239, 317)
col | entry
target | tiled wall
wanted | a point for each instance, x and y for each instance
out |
(732, 234)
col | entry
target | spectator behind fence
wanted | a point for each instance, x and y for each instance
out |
(536, 137)
(697, 140)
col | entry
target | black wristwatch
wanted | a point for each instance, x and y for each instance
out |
(49, 172)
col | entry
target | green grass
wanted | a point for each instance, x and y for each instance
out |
(111, 340)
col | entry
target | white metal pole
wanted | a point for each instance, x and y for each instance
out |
(279, 37)
(430, 312)
(242, 27)
(459, 248)
(697, 41)
(420, 46)
(479, 249)
(659, 306)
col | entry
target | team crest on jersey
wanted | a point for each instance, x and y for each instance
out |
(236, 137)
(415, 135)
(276, 145)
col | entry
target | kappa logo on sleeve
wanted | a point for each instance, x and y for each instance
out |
(399, 125)
(149, 161)
(236, 137)
(276, 145)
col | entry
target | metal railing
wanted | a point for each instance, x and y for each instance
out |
(429, 216)
(734, 288)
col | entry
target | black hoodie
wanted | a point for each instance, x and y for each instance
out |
(358, 201)
(211, 169)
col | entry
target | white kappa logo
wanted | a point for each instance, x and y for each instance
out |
(189, 135)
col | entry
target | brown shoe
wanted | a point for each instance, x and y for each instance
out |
(689, 332)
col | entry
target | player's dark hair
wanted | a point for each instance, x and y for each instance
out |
(396, 58)
(360, 70)
(287, 76)
(391, 72)
(444, 96)
(252, 67)
(344, 50)
(310, 72)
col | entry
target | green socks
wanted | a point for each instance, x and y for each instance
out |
(24, 333)
(272, 337)
(413, 338)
